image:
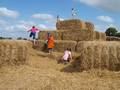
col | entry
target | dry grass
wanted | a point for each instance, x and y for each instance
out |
(43, 73)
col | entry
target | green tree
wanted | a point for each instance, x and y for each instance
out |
(111, 31)
(118, 34)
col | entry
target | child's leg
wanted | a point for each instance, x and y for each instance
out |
(34, 38)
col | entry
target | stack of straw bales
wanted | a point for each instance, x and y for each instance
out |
(13, 52)
(101, 55)
(59, 45)
(77, 35)
(74, 24)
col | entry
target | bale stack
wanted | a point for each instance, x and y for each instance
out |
(74, 24)
(13, 52)
(101, 55)
(59, 45)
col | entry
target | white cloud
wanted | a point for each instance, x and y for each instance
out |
(9, 13)
(44, 17)
(105, 19)
(109, 5)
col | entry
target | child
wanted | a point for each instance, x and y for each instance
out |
(67, 56)
(50, 44)
(33, 31)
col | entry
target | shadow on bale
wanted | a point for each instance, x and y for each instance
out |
(75, 66)
(78, 65)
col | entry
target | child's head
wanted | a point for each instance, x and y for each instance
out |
(69, 49)
(33, 26)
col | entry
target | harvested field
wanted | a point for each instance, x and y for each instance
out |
(13, 52)
(102, 55)
(71, 25)
(43, 73)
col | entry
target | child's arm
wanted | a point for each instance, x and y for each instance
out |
(29, 30)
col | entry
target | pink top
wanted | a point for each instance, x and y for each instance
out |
(66, 55)
(34, 30)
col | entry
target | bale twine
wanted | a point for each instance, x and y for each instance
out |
(74, 24)
(101, 55)
(13, 52)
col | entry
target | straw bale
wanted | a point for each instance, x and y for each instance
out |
(74, 24)
(103, 36)
(60, 45)
(13, 52)
(101, 55)
(89, 26)
(78, 35)
(99, 36)
(40, 45)
(43, 34)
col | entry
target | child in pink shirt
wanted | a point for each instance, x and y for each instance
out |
(33, 31)
(67, 56)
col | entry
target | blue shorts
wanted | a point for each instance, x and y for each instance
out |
(32, 34)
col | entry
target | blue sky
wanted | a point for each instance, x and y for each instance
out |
(17, 16)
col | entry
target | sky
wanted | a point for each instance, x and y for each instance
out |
(18, 16)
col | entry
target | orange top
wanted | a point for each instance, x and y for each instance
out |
(51, 42)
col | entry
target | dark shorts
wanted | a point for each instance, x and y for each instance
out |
(32, 35)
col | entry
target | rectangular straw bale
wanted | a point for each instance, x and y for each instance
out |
(99, 36)
(13, 52)
(103, 36)
(89, 26)
(43, 34)
(78, 35)
(62, 45)
(40, 45)
(102, 55)
(73, 24)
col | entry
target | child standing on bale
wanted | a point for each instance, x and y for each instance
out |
(33, 31)
(67, 56)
